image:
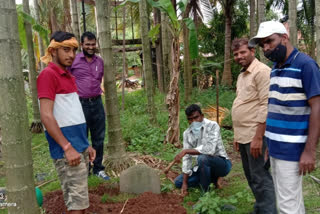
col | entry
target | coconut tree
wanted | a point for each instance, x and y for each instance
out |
(187, 70)
(36, 125)
(75, 19)
(317, 26)
(307, 15)
(293, 22)
(116, 158)
(261, 18)
(253, 19)
(52, 14)
(124, 60)
(0, 147)
(158, 46)
(147, 64)
(199, 11)
(40, 40)
(228, 10)
(166, 51)
(16, 138)
(67, 16)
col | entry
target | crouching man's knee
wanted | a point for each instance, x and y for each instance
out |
(202, 160)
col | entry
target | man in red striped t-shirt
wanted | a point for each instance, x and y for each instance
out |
(63, 118)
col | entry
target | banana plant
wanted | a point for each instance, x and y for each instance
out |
(43, 32)
(36, 27)
(175, 28)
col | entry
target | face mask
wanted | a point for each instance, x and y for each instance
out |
(278, 54)
(196, 128)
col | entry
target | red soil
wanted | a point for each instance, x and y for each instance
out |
(144, 203)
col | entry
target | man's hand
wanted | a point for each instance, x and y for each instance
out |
(92, 154)
(266, 154)
(179, 156)
(72, 156)
(256, 147)
(307, 162)
(235, 146)
(308, 157)
(184, 189)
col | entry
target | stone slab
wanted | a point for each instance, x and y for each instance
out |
(139, 179)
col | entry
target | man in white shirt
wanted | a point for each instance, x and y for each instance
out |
(202, 139)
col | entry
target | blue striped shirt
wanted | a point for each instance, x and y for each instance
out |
(291, 85)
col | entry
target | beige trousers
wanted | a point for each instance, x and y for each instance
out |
(288, 186)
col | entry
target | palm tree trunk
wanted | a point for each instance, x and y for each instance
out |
(317, 26)
(159, 61)
(313, 28)
(226, 75)
(253, 19)
(53, 23)
(124, 62)
(261, 18)
(67, 16)
(36, 126)
(16, 138)
(40, 40)
(1, 163)
(196, 62)
(172, 99)
(147, 64)
(116, 155)
(187, 71)
(293, 22)
(75, 19)
(166, 44)
(309, 12)
(79, 19)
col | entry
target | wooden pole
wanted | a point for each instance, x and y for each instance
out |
(217, 94)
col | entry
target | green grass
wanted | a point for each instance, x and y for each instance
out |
(311, 190)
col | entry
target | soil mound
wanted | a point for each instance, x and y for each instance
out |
(147, 202)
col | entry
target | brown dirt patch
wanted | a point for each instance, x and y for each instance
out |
(144, 203)
(233, 155)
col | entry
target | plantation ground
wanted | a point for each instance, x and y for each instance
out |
(145, 140)
(101, 201)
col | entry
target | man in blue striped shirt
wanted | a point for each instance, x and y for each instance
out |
(293, 121)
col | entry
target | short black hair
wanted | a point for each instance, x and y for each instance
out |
(60, 36)
(192, 108)
(88, 35)
(238, 42)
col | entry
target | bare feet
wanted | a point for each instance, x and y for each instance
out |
(219, 183)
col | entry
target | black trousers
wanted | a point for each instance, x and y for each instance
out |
(96, 124)
(259, 180)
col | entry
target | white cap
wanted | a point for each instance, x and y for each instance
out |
(267, 29)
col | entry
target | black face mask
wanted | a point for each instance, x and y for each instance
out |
(278, 54)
